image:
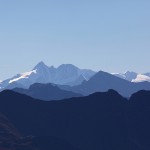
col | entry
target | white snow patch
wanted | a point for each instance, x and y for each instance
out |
(141, 78)
(23, 76)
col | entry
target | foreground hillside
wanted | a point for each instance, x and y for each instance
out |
(101, 121)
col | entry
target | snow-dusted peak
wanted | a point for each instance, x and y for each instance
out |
(128, 75)
(65, 74)
(141, 78)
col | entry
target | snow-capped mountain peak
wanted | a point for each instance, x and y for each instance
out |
(65, 74)
(141, 78)
(128, 75)
(133, 76)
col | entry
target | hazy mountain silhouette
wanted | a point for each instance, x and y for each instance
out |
(78, 81)
(47, 92)
(103, 81)
(98, 121)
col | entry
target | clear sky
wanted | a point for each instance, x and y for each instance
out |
(110, 35)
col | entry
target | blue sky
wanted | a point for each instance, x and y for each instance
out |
(99, 34)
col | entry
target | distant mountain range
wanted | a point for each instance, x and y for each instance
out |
(101, 121)
(65, 74)
(103, 81)
(100, 82)
(71, 78)
(68, 108)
